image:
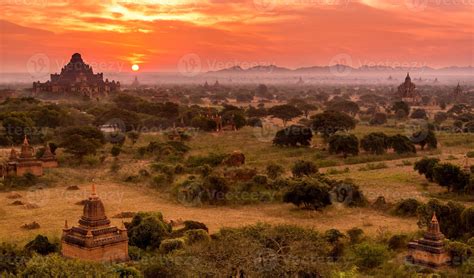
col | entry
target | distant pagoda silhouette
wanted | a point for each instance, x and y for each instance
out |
(77, 78)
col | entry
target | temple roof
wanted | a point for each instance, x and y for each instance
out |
(94, 212)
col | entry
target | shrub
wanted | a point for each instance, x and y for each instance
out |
(451, 176)
(406, 207)
(375, 143)
(310, 193)
(401, 144)
(368, 255)
(467, 218)
(355, 235)
(91, 160)
(115, 151)
(303, 168)
(196, 235)
(459, 252)
(260, 179)
(274, 170)
(147, 230)
(212, 159)
(159, 180)
(294, 135)
(169, 245)
(41, 245)
(12, 259)
(194, 225)
(397, 242)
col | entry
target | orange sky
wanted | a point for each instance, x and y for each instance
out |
(164, 35)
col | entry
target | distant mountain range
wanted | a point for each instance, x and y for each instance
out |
(339, 69)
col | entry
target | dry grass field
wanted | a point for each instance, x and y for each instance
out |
(395, 181)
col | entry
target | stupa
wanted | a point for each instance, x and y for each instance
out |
(95, 239)
(26, 162)
(49, 159)
(430, 249)
(407, 91)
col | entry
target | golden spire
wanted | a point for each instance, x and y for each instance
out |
(65, 224)
(93, 192)
(433, 218)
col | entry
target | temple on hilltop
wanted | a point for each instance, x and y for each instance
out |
(26, 162)
(77, 78)
(407, 91)
(94, 239)
(430, 249)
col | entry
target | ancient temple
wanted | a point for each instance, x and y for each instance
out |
(26, 162)
(135, 83)
(77, 78)
(457, 92)
(407, 91)
(94, 239)
(48, 158)
(430, 249)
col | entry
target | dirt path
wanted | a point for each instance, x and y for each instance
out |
(58, 204)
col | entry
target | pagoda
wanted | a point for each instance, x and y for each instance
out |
(407, 91)
(77, 78)
(457, 92)
(430, 249)
(26, 162)
(95, 239)
(48, 158)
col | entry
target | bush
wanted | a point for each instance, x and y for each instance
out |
(211, 159)
(368, 255)
(375, 143)
(274, 170)
(196, 235)
(294, 135)
(355, 235)
(303, 168)
(147, 230)
(12, 259)
(451, 176)
(344, 144)
(310, 193)
(195, 225)
(401, 144)
(41, 245)
(169, 245)
(397, 242)
(406, 207)
(115, 151)
(467, 218)
(91, 160)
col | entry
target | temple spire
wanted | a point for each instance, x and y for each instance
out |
(25, 141)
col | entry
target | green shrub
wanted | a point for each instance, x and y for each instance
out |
(310, 193)
(159, 180)
(212, 159)
(398, 242)
(373, 166)
(459, 252)
(260, 179)
(303, 168)
(406, 207)
(197, 235)
(274, 170)
(169, 245)
(355, 235)
(12, 259)
(91, 160)
(147, 230)
(368, 255)
(467, 218)
(41, 245)
(194, 225)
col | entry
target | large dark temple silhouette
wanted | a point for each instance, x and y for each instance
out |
(77, 78)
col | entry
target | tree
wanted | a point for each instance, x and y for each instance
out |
(419, 114)
(310, 193)
(426, 138)
(440, 117)
(284, 112)
(344, 144)
(330, 122)
(378, 119)
(293, 135)
(425, 167)
(401, 106)
(467, 218)
(401, 144)
(115, 151)
(17, 125)
(147, 230)
(303, 168)
(133, 136)
(368, 255)
(450, 176)
(345, 106)
(81, 141)
(375, 143)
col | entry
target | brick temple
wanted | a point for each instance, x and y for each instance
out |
(95, 239)
(77, 78)
(430, 249)
(26, 162)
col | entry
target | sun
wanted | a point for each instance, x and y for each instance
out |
(135, 67)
